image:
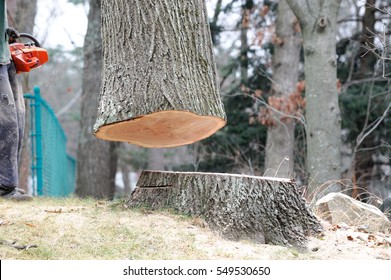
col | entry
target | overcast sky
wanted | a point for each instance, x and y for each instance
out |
(59, 22)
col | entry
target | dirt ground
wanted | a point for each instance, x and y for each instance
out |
(88, 229)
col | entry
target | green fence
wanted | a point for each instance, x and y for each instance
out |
(52, 169)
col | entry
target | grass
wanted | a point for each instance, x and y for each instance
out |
(88, 229)
(73, 228)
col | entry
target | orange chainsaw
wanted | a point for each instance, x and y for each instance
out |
(27, 56)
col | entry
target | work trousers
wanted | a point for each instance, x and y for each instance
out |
(12, 118)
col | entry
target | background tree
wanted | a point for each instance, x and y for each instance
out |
(279, 157)
(318, 21)
(96, 159)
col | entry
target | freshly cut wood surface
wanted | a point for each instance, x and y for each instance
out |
(162, 129)
(159, 77)
(262, 209)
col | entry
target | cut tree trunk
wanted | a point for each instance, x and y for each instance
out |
(159, 86)
(266, 210)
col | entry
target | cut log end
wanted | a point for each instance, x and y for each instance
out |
(162, 129)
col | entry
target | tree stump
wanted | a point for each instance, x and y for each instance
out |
(266, 210)
(159, 82)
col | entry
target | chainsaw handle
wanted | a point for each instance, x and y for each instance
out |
(28, 36)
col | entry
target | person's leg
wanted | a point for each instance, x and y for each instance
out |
(19, 105)
(9, 140)
(9, 133)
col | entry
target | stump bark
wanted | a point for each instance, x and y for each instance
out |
(266, 210)
(159, 82)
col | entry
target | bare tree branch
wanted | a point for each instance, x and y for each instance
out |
(300, 119)
(374, 125)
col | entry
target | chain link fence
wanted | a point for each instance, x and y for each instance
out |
(52, 169)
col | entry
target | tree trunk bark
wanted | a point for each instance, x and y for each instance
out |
(97, 159)
(125, 175)
(266, 210)
(318, 21)
(367, 59)
(280, 137)
(246, 13)
(159, 86)
(22, 14)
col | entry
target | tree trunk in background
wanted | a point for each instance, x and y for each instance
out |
(363, 162)
(96, 159)
(367, 59)
(286, 58)
(168, 158)
(214, 28)
(125, 176)
(318, 21)
(21, 16)
(159, 83)
(265, 210)
(156, 159)
(246, 12)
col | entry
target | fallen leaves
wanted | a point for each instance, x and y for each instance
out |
(360, 234)
(335, 227)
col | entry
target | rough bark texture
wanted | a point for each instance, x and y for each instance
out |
(157, 64)
(96, 159)
(266, 210)
(286, 59)
(318, 21)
